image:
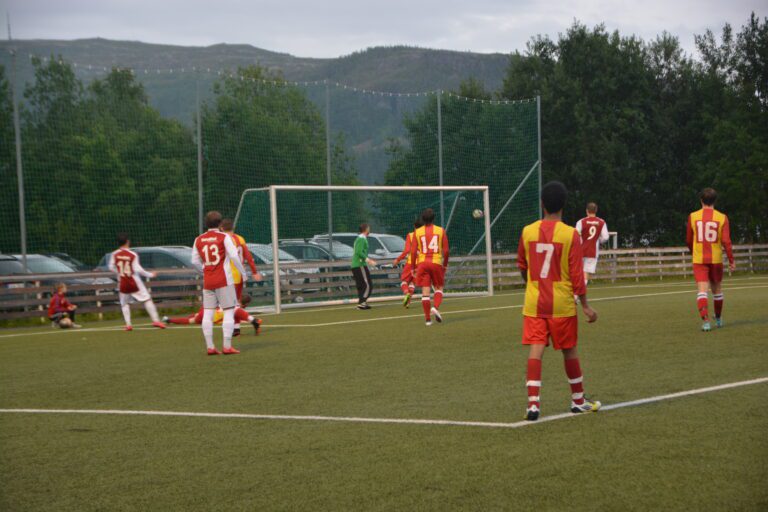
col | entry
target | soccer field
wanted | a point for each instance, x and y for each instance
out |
(347, 373)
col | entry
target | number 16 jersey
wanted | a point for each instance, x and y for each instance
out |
(550, 253)
(707, 233)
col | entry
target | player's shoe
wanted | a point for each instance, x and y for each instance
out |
(256, 326)
(165, 319)
(236, 332)
(428, 323)
(230, 350)
(435, 313)
(532, 413)
(407, 300)
(586, 406)
(364, 305)
(719, 322)
(159, 325)
(128, 328)
(213, 352)
(76, 326)
(706, 326)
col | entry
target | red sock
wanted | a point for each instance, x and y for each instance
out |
(701, 303)
(183, 321)
(533, 382)
(575, 379)
(404, 287)
(426, 306)
(438, 298)
(718, 299)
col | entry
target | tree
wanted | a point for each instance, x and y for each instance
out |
(9, 197)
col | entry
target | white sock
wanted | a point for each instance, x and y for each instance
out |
(152, 310)
(208, 327)
(126, 313)
(250, 318)
(228, 326)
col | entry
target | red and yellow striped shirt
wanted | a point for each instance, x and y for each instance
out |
(430, 244)
(707, 233)
(550, 253)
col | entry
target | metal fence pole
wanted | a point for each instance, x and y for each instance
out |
(440, 153)
(488, 243)
(328, 164)
(19, 168)
(199, 163)
(538, 135)
(275, 248)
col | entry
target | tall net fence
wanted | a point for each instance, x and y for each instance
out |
(99, 158)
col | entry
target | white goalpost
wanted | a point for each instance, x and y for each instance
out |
(301, 238)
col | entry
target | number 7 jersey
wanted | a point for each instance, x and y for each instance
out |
(550, 253)
(707, 233)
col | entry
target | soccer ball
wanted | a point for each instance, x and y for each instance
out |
(477, 214)
(65, 323)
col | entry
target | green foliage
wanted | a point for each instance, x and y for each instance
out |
(9, 197)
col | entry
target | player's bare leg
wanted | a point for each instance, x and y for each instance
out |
(126, 309)
(426, 303)
(533, 382)
(207, 325)
(717, 297)
(228, 326)
(435, 309)
(576, 380)
(152, 311)
(702, 304)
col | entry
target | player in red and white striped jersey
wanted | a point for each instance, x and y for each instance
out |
(594, 232)
(125, 263)
(214, 253)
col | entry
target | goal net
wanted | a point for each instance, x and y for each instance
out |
(304, 236)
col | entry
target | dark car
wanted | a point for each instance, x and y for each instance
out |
(158, 257)
(42, 264)
(69, 260)
(311, 250)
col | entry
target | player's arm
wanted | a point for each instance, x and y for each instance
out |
(522, 262)
(405, 252)
(689, 234)
(604, 235)
(249, 259)
(112, 266)
(138, 269)
(726, 243)
(576, 271)
(446, 250)
(234, 257)
(196, 261)
(578, 227)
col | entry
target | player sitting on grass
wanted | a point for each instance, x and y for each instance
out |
(549, 258)
(707, 233)
(125, 263)
(430, 254)
(61, 312)
(406, 277)
(241, 315)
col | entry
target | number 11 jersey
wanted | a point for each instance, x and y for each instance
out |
(550, 253)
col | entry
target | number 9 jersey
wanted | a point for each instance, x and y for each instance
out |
(707, 233)
(550, 253)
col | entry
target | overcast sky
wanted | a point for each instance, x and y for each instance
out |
(329, 28)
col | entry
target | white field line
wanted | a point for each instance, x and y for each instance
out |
(365, 320)
(398, 421)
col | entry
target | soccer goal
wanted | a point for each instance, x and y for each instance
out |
(302, 237)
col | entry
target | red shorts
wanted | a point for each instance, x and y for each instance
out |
(407, 275)
(430, 274)
(708, 272)
(564, 332)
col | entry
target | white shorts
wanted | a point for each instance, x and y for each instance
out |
(224, 297)
(590, 265)
(139, 296)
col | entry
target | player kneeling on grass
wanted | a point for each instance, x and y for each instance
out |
(241, 315)
(406, 277)
(61, 312)
(125, 263)
(212, 253)
(550, 260)
(430, 254)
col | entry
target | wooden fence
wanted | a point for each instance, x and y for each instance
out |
(28, 296)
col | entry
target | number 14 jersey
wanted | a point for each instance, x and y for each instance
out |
(550, 253)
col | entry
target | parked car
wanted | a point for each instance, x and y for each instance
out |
(11, 266)
(312, 250)
(42, 264)
(379, 245)
(69, 260)
(158, 257)
(262, 254)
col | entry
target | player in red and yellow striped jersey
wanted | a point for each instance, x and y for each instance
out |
(430, 256)
(707, 233)
(550, 260)
(227, 226)
(406, 277)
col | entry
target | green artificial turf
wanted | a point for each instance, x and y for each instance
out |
(704, 452)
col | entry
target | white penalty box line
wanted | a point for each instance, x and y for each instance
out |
(396, 421)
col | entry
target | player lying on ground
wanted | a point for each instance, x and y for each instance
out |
(406, 276)
(430, 252)
(125, 263)
(61, 312)
(241, 315)
(212, 253)
(707, 233)
(549, 258)
(594, 232)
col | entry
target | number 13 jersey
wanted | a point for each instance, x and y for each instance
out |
(707, 233)
(213, 251)
(550, 253)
